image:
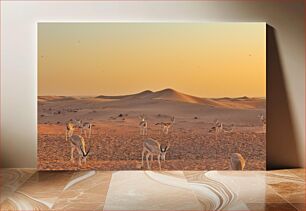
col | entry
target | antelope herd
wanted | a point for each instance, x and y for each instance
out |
(151, 147)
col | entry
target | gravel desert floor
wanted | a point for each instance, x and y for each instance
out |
(116, 143)
(117, 146)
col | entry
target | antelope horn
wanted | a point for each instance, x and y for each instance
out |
(88, 150)
(85, 153)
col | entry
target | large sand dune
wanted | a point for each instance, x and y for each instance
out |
(172, 95)
(166, 102)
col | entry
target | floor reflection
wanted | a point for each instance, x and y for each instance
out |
(27, 189)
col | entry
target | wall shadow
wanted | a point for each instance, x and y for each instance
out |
(281, 140)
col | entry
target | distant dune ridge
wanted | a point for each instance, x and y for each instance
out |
(164, 102)
(173, 95)
(53, 98)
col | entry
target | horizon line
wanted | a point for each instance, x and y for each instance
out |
(148, 90)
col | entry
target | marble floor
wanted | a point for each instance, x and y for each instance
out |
(28, 189)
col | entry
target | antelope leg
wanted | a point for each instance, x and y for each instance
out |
(158, 158)
(80, 161)
(143, 152)
(147, 158)
(151, 160)
(71, 153)
(89, 133)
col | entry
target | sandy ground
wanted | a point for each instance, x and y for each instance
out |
(117, 145)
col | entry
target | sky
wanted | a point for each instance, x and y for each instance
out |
(200, 59)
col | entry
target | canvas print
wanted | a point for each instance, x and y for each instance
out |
(152, 96)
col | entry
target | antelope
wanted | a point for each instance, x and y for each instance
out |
(153, 147)
(237, 161)
(84, 126)
(77, 142)
(165, 126)
(263, 121)
(218, 128)
(143, 125)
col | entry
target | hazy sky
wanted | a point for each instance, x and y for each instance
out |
(201, 59)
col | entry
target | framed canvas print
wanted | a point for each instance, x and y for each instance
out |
(152, 96)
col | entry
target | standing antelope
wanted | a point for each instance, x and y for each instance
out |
(218, 128)
(143, 125)
(237, 161)
(165, 126)
(77, 142)
(153, 147)
(263, 121)
(85, 127)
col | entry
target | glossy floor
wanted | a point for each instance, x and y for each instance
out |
(27, 189)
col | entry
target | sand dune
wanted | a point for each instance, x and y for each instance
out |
(54, 98)
(154, 105)
(173, 95)
(144, 94)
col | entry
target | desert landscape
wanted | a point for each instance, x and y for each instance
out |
(116, 140)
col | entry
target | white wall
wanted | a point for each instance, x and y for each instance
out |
(19, 69)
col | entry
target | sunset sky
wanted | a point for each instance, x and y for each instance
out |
(201, 59)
